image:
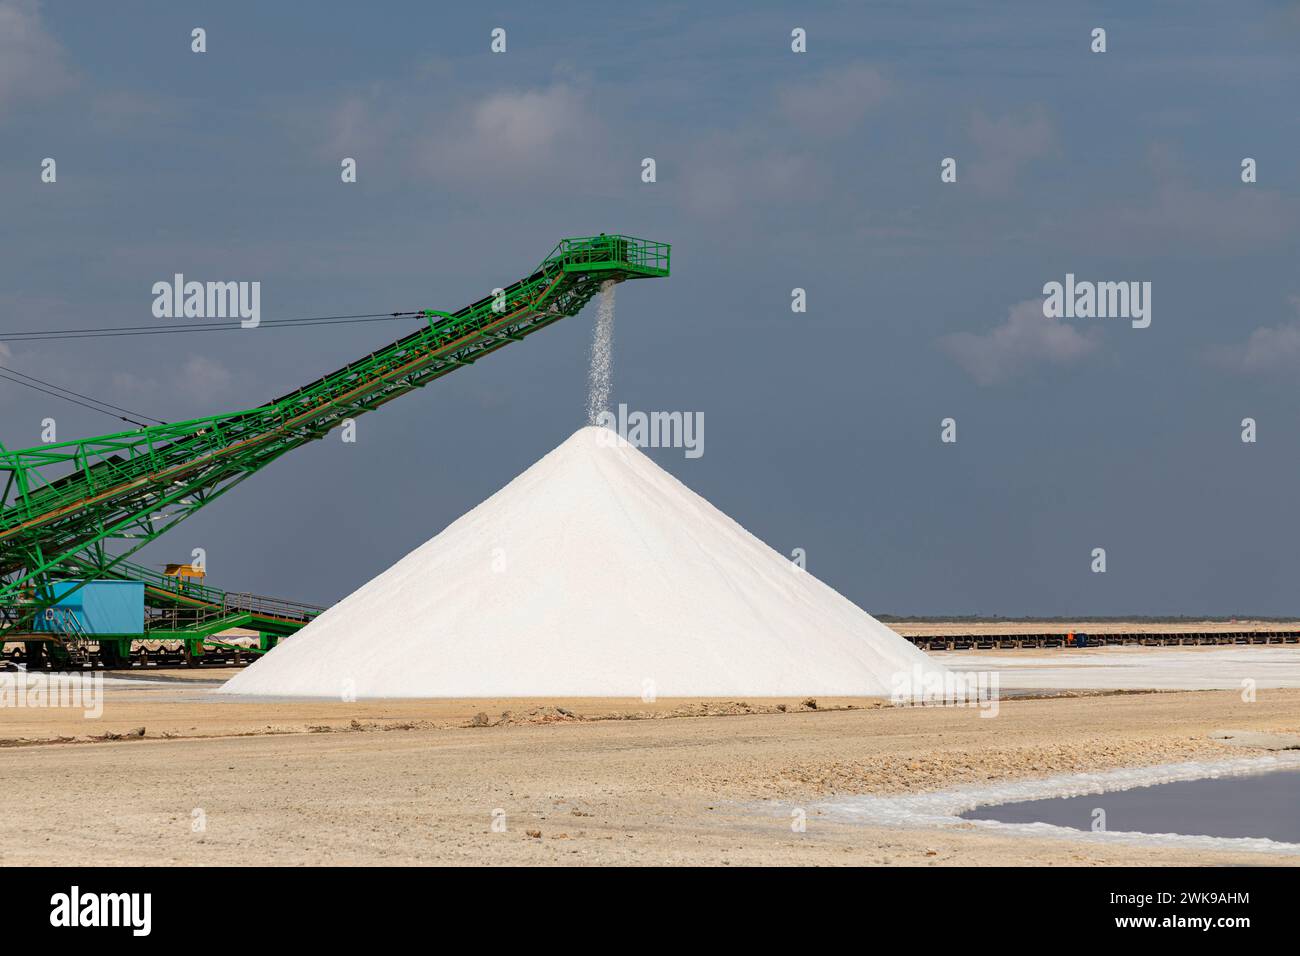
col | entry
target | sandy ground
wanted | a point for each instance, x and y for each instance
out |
(422, 781)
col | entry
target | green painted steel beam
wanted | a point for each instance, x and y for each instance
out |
(68, 503)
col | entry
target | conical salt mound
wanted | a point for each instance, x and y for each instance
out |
(594, 573)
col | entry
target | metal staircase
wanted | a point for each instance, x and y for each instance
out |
(64, 622)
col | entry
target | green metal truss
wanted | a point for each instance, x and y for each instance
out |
(80, 509)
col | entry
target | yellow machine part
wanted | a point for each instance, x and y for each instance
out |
(184, 571)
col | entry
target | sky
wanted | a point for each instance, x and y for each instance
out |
(775, 170)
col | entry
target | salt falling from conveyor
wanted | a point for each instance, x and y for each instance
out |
(600, 377)
(593, 573)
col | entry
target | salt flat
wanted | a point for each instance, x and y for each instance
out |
(418, 781)
(1134, 668)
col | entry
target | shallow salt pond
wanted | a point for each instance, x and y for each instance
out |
(1255, 808)
(1264, 805)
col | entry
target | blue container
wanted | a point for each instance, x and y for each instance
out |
(101, 607)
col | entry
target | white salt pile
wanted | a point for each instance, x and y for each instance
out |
(594, 573)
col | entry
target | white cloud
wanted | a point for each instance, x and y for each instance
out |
(203, 379)
(125, 384)
(32, 63)
(1274, 348)
(528, 122)
(361, 125)
(1179, 217)
(1004, 147)
(504, 141)
(1025, 340)
(120, 110)
(835, 102)
(1229, 217)
(200, 385)
(520, 138)
(727, 172)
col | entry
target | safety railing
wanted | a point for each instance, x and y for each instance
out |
(271, 607)
(642, 253)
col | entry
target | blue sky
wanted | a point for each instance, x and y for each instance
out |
(775, 170)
